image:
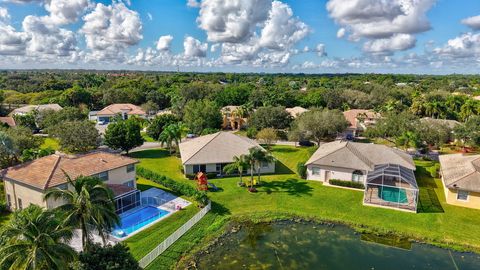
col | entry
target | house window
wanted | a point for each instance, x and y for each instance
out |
(357, 176)
(103, 176)
(20, 205)
(129, 184)
(63, 186)
(199, 168)
(462, 195)
(130, 168)
(9, 201)
(264, 164)
(316, 171)
(218, 168)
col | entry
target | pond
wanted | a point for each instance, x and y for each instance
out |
(289, 245)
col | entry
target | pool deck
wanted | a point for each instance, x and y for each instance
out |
(171, 204)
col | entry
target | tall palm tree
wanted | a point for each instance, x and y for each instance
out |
(260, 158)
(36, 239)
(239, 164)
(173, 133)
(88, 205)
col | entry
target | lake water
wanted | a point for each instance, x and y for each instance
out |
(288, 245)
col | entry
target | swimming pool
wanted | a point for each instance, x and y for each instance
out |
(137, 219)
(393, 194)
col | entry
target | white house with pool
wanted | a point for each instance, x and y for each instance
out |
(386, 173)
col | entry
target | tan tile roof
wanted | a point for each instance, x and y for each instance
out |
(461, 171)
(49, 171)
(8, 120)
(119, 189)
(359, 156)
(118, 108)
(42, 107)
(352, 116)
(296, 111)
(449, 123)
(220, 147)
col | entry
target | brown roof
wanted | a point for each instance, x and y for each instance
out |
(8, 120)
(353, 115)
(119, 190)
(49, 171)
(118, 108)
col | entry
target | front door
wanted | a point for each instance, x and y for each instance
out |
(328, 175)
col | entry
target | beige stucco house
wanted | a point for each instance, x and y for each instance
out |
(461, 179)
(210, 153)
(26, 183)
(359, 120)
(233, 118)
(31, 108)
(124, 110)
(386, 173)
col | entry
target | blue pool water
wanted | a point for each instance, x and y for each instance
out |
(137, 219)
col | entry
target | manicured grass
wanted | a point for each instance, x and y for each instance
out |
(160, 161)
(285, 195)
(51, 143)
(142, 243)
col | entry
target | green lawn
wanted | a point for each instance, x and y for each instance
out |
(285, 195)
(50, 143)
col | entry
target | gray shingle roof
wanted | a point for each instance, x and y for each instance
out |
(461, 171)
(359, 156)
(219, 147)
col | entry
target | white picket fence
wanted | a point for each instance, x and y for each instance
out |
(157, 251)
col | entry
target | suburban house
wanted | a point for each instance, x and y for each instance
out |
(461, 179)
(296, 111)
(26, 183)
(359, 121)
(210, 153)
(31, 108)
(7, 120)
(124, 110)
(233, 118)
(386, 173)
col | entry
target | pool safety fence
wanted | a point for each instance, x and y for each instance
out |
(158, 250)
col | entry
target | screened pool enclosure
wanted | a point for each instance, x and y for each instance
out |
(391, 186)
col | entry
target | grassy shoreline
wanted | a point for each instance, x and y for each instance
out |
(286, 196)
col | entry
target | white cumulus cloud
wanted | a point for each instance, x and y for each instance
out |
(472, 22)
(194, 48)
(163, 43)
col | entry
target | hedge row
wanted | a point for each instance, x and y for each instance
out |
(349, 184)
(177, 187)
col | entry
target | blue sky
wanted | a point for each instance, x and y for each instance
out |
(388, 36)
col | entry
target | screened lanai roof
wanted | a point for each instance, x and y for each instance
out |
(393, 170)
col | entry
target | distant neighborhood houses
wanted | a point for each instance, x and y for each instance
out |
(124, 110)
(31, 108)
(359, 120)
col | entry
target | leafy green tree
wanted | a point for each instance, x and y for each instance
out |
(76, 96)
(88, 205)
(115, 257)
(202, 114)
(36, 239)
(267, 136)
(239, 164)
(159, 123)
(393, 125)
(8, 151)
(124, 135)
(270, 117)
(76, 136)
(27, 120)
(433, 134)
(23, 139)
(49, 118)
(409, 139)
(320, 125)
(469, 132)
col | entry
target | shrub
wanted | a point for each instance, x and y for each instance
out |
(177, 187)
(343, 183)
(115, 257)
(252, 132)
(302, 170)
(433, 170)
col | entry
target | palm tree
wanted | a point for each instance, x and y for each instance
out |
(261, 157)
(88, 206)
(239, 164)
(173, 133)
(36, 239)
